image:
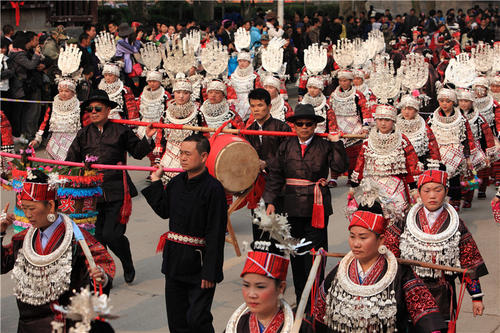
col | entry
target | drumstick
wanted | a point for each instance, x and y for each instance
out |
(225, 130)
(6, 207)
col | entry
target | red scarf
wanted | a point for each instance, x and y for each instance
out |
(273, 326)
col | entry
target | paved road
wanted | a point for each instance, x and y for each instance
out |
(141, 305)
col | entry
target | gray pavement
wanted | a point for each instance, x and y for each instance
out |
(141, 305)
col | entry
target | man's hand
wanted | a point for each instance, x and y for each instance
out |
(333, 137)
(157, 174)
(477, 308)
(150, 131)
(207, 284)
(263, 165)
(270, 209)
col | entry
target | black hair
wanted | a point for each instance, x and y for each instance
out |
(7, 29)
(87, 26)
(228, 24)
(260, 94)
(83, 36)
(20, 40)
(202, 144)
(259, 22)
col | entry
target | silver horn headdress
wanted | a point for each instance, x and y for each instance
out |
(460, 71)
(383, 83)
(413, 72)
(242, 39)
(214, 58)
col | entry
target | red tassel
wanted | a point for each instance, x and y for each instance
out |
(126, 209)
(161, 243)
(318, 216)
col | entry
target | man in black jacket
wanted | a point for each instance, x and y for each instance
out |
(110, 142)
(266, 146)
(193, 249)
(301, 166)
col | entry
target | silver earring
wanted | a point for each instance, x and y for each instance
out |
(51, 217)
(382, 249)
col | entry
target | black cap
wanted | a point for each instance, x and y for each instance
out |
(305, 111)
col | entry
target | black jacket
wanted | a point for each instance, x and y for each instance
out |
(320, 157)
(267, 148)
(110, 146)
(195, 207)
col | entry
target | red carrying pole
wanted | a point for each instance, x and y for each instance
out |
(225, 130)
(95, 166)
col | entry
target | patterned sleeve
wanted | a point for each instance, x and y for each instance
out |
(43, 125)
(332, 120)
(488, 138)
(237, 122)
(497, 117)
(357, 174)
(131, 104)
(470, 257)
(392, 236)
(469, 144)
(101, 256)
(422, 308)
(365, 111)
(257, 82)
(434, 154)
(412, 167)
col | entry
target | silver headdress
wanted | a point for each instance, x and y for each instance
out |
(84, 308)
(278, 228)
(343, 53)
(367, 193)
(272, 58)
(315, 59)
(242, 39)
(375, 43)
(460, 71)
(179, 58)
(105, 46)
(69, 63)
(191, 41)
(151, 58)
(414, 72)
(495, 67)
(482, 57)
(360, 53)
(214, 58)
(383, 83)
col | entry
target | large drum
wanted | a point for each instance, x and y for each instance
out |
(234, 162)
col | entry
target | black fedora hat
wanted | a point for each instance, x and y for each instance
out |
(305, 111)
(99, 96)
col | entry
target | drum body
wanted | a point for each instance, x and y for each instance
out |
(234, 162)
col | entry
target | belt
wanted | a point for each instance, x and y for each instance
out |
(318, 214)
(179, 238)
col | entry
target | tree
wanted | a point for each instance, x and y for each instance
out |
(139, 10)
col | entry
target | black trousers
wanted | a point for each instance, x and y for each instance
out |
(188, 307)
(455, 191)
(301, 265)
(111, 233)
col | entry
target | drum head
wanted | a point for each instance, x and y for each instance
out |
(237, 166)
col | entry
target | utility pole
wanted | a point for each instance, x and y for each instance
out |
(281, 13)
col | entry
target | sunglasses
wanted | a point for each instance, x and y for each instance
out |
(302, 124)
(89, 109)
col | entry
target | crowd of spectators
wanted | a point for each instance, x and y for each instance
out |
(29, 60)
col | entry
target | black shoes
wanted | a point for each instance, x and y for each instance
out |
(129, 274)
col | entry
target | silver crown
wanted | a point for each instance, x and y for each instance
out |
(460, 71)
(178, 58)
(383, 83)
(242, 39)
(482, 57)
(343, 53)
(214, 58)
(272, 56)
(414, 72)
(105, 46)
(315, 59)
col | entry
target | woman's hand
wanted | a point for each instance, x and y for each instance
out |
(6, 220)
